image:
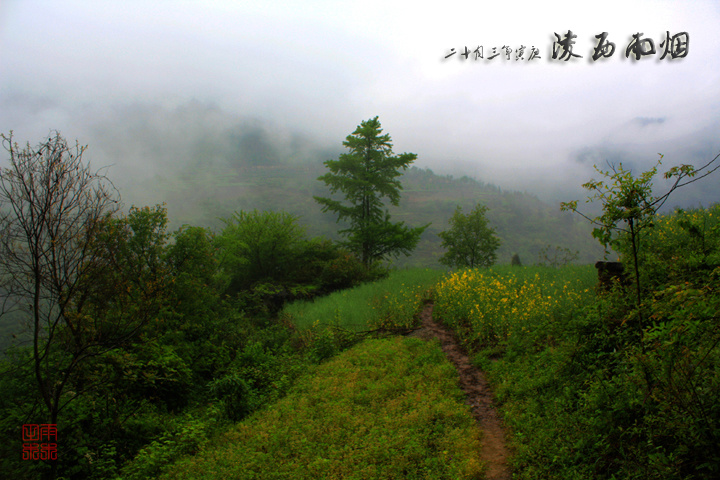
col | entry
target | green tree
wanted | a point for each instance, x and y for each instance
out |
(259, 247)
(366, 175)
(629, 208)
(194, 265)
(470, 242)
(133, 284)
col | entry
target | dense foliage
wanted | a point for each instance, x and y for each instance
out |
(200, 345)
(582, 396)
(147, 347)
(469, 241)
(365, 176)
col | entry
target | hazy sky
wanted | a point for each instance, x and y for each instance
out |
(320, 67)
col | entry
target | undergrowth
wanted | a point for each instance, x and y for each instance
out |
(274, 355)
(388, 408)
(585, 396)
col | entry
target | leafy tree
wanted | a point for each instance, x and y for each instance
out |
(194, 266)
(259, 247)
(470, 242)
(132, 282)
(629, 208)
(366, 175)
(192, 254)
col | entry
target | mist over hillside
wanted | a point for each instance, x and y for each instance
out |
(169, 105)
(206, 163)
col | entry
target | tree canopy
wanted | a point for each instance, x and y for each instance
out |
(470, 242)
(367, 175)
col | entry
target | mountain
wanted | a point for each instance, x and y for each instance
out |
(526, 225)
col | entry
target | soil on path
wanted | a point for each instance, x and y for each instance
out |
(472, 381)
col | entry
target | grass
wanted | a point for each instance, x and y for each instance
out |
(519, 325)
(582, 394)
(387, 408)
(392, 301)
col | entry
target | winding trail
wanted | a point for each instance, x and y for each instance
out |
(479, 396)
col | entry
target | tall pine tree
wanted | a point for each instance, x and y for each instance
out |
(366, 175)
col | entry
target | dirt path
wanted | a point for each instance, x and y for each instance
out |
(472, 381)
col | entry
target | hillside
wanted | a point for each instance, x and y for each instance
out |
(526, 225)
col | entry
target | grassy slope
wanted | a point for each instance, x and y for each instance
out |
(387, 408)
(391, 408)
(366, 306)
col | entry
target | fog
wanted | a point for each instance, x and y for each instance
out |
(153, 86)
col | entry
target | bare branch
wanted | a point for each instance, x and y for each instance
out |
(52, 206)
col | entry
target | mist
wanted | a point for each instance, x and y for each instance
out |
(159, 90)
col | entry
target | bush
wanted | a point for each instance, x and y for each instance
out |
(237, 398)
(184, 436)
(682, 247)
(258, 376)
(343, 271)
(582, 395)
(259, 247)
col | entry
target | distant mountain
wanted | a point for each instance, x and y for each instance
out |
(526, 225)
(206, 163)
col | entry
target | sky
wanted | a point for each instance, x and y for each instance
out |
(143, 82)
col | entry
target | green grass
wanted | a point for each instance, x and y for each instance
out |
(582, 394)
(519, 323)
(387, 408)
(392, 301)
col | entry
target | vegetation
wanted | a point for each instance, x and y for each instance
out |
(203, 194)
(491, 308)
(139, 335)
(470, 242)
(584, 393)
(194, 354)
(394, 300)
(53, 209)
(267, 261)
(365, 176)
(386, 409)
(258, 247)
(629, 208)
